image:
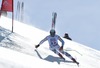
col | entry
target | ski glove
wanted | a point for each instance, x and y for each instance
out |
(37, 46)
(61, 48)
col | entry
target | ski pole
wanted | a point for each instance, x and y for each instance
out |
(75, 51)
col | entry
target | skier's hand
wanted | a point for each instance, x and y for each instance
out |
(61, 48)
(37, 46)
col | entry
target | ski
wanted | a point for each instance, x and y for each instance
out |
(54, 16)
(67, 61)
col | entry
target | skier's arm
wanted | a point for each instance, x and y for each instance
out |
(42, 41)
(61, 40)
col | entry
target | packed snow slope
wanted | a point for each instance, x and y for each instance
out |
(17, 49)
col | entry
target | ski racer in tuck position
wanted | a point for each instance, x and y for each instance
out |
(54, 46)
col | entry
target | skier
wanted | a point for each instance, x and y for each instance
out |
(67, 36)
(54, 46)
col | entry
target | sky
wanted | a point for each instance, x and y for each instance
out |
(79, 18)
(17, 49)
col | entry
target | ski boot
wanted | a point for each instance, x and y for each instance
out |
(75, 61)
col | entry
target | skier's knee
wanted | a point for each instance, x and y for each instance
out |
(54, 51)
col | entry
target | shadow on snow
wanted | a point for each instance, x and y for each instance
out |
(51, 58)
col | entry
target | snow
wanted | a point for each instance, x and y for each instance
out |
(21, 60)
(17, 49)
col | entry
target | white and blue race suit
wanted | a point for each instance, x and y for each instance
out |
(53, 44)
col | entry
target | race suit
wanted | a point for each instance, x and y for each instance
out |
(53, 44)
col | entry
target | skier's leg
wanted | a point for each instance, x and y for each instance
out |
(61, 56)
(69, 56)
(55, 50)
